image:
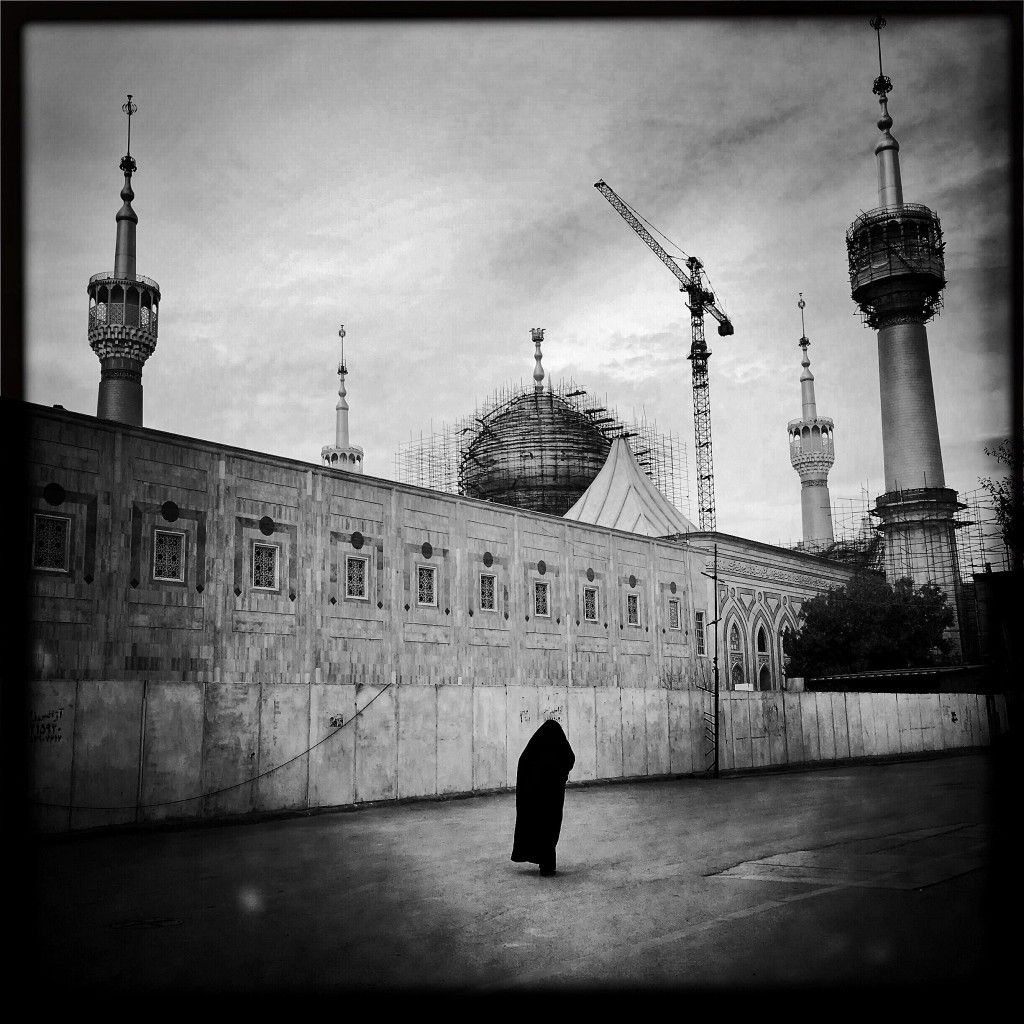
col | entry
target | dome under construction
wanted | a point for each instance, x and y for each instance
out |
(534, 450)
(537, 448)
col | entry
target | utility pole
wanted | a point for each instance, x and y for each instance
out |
(714, 660)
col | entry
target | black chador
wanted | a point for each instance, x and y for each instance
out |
(544, 767)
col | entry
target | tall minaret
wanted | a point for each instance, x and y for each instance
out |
(812, 453)
(897, 275)
(341, 454)
(123, 312)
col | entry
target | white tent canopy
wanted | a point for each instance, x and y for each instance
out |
(623, 497)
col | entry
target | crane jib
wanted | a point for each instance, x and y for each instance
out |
(700, 300)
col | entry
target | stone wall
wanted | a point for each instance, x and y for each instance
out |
(122, 752)
(210, 696)
(109, 617)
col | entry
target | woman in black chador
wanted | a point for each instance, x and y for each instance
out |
(544, 767)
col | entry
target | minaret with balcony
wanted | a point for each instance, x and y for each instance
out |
(123, 309)
(341, 454)
(812, 453)
(897, 274)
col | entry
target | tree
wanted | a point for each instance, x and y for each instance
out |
(870, 625)
(1007, 511)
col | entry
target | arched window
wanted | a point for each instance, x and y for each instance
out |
(734, 638)
(764, 679)
(737, 676)
(762, 641)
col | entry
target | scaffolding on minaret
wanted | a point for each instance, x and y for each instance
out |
(897, 274)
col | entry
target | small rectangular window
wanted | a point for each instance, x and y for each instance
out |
(673, 613)
(633, 609)
(265, 565)
(590, 604)
(698, 633)
(488, 599)
(540, 599)
(51, 538)
(355, 577)
(426, 585)
(169, 556)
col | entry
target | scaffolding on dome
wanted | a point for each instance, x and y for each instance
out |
(460, 458)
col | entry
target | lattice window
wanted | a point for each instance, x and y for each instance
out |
(488, 601)
(265, 561)
(51, 537)
(633, 609)
(673, 613)
(698, 633)
(355, 577)
(169, 556)
(590, 604)
(426, 585)
(540, 599)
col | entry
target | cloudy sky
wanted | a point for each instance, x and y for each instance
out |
(430, 185)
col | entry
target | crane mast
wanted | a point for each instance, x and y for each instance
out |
(699, 300)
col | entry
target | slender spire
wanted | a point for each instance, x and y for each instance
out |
(124, 250)
(811, 453)
(538, 371)
(887, 151)
(810, 408)
(123, 310)
(342, 454)
(341, 409)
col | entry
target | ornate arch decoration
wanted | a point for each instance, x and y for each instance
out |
(763, 650)
(736, 645)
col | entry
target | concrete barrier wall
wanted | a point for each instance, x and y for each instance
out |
(113, 753)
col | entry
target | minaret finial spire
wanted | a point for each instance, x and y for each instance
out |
(887, 151)
(810, 409)
(342, 454)
(878, 23)
(124, 250)
(129, 108)
(538, 371)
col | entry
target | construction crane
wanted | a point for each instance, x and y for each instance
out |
(700, 299)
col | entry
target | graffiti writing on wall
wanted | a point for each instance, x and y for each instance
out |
(337, 721)
(524, 715)
(45, 726)
(549, 713)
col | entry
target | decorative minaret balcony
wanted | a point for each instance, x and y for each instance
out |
(123, 312)
(812, 453)
(341, 454)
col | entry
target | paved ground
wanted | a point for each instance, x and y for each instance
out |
(875, 874)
